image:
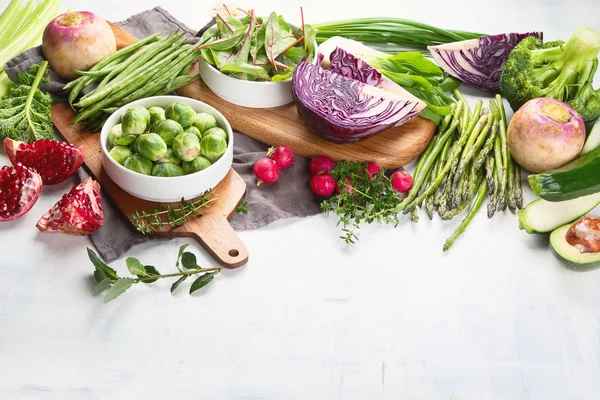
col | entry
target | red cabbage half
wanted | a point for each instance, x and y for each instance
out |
(343, 110)
(478, 62)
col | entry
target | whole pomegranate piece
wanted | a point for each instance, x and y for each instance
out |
(78, 212)
(282, 155)
(54, 160)
(266, 170)
(20, 188)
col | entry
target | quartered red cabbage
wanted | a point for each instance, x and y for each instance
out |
(352, 105)
(478, 62)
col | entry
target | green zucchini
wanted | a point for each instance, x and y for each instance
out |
(578, 178)
(542, 216)
(593, 138)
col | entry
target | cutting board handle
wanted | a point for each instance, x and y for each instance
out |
(219, 238)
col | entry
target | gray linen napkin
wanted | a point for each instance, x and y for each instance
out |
(289, 197)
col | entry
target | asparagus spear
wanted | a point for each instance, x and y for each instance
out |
(487, 147)
(455, 211)
(503, 200)
(518, 188)
(427, 164)
(511, 198)
(481, 192)
(489, 174)
(443, 126)
(443, 157)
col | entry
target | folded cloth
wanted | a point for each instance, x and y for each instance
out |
(289, 197)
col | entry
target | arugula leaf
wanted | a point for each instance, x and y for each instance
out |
(118, 288)
(202, 281)
(244, 52)
(256, 71)
(25, 113)
(310, 34)
(295, 54)
(287, 74)
(227, 24)
(226, 43)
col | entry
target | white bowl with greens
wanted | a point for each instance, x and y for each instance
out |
(249, 61)
(166, 148)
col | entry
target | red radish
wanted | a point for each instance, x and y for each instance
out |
(78, 212)
(20, 188)
(54, 160)
(282, 155)
(373, 168)
(266, 170)
(321, 165)
(322, 185)
(401, 181)
(347, 185)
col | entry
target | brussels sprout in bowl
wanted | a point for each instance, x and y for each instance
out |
(164, 183)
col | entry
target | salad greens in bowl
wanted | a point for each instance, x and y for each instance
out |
(249, 60)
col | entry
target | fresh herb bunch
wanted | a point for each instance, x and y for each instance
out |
(250, 47)
(170, 215)
(25, 112)
(107, 278)
(362, 198)
(242, 208)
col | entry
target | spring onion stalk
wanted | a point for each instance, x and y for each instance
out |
(397, 33)
(21, 27)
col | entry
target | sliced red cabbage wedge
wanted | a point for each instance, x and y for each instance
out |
(344, 110)
(478, 62)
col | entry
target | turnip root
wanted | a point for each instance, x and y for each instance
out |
(76, 41)
(545, 134)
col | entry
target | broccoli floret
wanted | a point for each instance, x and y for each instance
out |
(560, 70)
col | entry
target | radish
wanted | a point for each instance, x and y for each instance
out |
(373, 168)
(347, 185)
(321, 165)
(282, 155)
(266, 171)
(401, 181)
(322, 185)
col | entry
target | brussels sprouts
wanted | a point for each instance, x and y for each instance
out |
(115, 133)
(186, 146)
(197, 164)
(139, 164)
(166, 169)
(204, 121)
(135, 120)
(213, 146)
(169, 157)
(134, 146)
(120, 154)
(195, 131)
(151, 146)
(181, 113)
(217, 131)
(156, 114)
(167, 129)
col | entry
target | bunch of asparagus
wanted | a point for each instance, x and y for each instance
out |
(467, 160)
(151, 67)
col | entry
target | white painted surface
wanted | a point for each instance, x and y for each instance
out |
(497, 317)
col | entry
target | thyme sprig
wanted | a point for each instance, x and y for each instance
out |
(148, 222)
(362, 198)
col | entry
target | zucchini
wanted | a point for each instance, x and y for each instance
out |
(578, 178)
(542, 216)
(593, 138)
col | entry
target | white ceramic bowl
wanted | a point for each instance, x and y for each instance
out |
(253, 94)
(167, 189)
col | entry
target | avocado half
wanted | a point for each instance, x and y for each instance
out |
(571, 254)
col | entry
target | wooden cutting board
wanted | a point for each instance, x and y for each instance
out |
(392, 148)
(211, 229)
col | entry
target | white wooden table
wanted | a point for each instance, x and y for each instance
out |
(392, 317)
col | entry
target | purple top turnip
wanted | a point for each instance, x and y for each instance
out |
(545, 134)
(76, 41)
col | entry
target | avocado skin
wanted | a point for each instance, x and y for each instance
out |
(569, 255)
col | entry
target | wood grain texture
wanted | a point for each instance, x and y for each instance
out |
(211, 228)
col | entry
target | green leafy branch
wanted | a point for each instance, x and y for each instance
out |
(173, 216)
(108, 279)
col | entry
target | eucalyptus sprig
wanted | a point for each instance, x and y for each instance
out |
(107, 278)
(362, 198)
(173, 216)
